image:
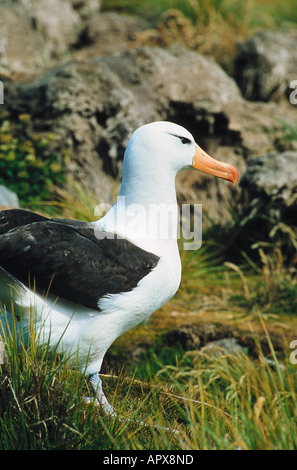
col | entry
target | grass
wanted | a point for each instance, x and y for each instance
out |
(263, 12)
(210, 26)
(216, 400)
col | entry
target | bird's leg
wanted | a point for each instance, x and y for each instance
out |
(101, 400)
(99, 396)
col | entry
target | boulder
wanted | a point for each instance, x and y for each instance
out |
(223, 347)
(265, 66)
(8, 197)
(36, 34)
(272, 177)
(56, 22)
(21, 47)
(196, 336)
(268, 218)
(106, 33)
(93, 107)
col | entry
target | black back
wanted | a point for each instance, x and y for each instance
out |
(66, 258)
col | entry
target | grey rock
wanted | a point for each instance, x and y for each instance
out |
(268, 216)
(95, 105)
(106, 33)
(8, 197)
(37, 34)
(223, 346)
(195, 336)
(272, 176)
(265, 65)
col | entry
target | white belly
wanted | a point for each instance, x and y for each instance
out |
(91, 332)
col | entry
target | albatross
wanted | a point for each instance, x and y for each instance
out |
(85, 284)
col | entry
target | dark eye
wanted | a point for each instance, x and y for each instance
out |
(185, 140)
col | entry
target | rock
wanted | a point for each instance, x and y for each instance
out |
(107, 33)
(8, 197)
(194, 336)
(36, 34)
(86, 8)
(94, 106)
(56, 22)
(272, 177)
(186, 336)
(21, 47)
(265, 65)
(223, 346)
(269, 207)
(275, 365)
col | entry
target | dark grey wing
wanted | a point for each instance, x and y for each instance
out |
(71, 262)
(13, 218)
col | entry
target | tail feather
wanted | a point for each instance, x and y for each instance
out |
(12, 293)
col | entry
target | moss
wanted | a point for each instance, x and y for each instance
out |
(28, 166)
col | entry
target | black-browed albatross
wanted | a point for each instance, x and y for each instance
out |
(88, 283)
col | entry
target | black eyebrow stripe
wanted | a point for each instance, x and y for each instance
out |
(179, 136)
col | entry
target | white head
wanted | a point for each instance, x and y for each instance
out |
(157, 151)
(163, 145)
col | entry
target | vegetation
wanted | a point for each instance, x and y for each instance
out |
(260, 13)
(221, 401)
(27, 165)
(210, 26)
(215, 399)
(167, 394)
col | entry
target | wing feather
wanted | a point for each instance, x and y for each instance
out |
(66, 256)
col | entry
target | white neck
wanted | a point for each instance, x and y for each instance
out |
(160, 187)
(147, 215)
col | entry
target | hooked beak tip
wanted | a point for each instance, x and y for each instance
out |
(205, 163)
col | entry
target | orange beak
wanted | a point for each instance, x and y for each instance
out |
(205, 163)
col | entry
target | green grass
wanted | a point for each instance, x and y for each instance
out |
(221, 401)
(260, 13)
(213, 27)
(224, 401)
(215, 401)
